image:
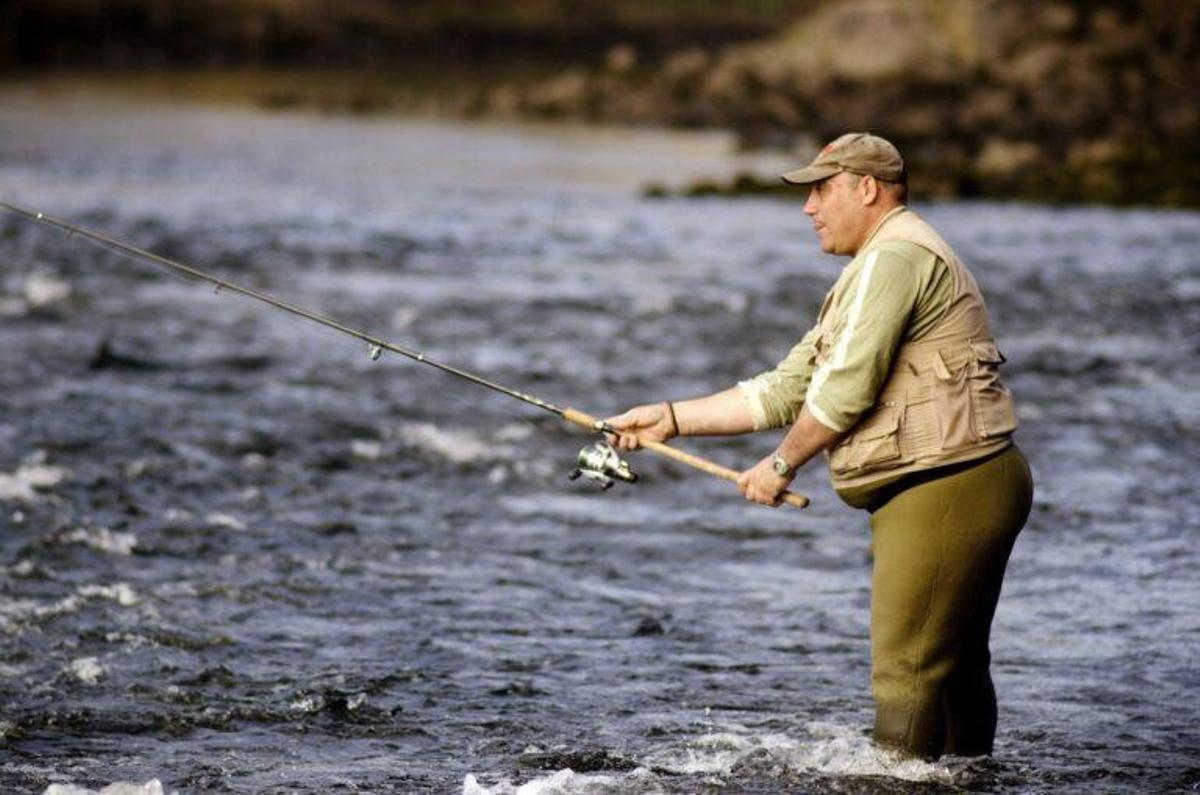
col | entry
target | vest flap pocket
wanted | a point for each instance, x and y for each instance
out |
(885, 422)
(874, 442)
(987, 352)
(994, 410)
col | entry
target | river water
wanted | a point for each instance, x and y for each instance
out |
(240, 556)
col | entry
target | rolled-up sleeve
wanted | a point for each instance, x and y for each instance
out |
(776, 396)
(875, 312)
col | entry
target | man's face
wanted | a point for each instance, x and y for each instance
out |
(838, 213)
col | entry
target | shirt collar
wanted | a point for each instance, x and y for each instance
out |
(889, 215)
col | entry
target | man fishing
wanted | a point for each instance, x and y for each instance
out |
(899, 383)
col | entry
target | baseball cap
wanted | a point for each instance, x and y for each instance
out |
(858, 153)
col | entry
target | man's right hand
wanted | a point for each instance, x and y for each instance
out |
(653, 421)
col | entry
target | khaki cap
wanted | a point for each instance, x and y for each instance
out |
(858, 153)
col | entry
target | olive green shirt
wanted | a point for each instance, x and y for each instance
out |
(892, 293)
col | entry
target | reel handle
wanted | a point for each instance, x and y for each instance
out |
(694, 461)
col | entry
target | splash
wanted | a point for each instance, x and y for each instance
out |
(87, 670)
(568, 782)
(456, 445)
(828, 749)
(29, 478)
(103, 539)
(151, 787)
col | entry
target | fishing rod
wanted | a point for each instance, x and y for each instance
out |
(598, 462)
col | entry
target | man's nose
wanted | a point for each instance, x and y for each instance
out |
(810, 204)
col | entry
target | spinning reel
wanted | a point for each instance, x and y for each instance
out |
(600, 463)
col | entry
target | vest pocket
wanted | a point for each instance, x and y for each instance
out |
(990, 400)
(994, 409)
(954, 409)
(873, 444)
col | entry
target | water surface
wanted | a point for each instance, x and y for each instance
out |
(239, 556)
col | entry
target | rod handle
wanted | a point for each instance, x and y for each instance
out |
(694, 461)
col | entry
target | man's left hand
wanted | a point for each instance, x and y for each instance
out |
(762, 484)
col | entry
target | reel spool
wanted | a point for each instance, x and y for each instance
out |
(600, 463)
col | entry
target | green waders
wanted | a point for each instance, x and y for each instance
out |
(941, 541)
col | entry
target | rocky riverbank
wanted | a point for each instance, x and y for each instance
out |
(1078, 101)
(1063, 101)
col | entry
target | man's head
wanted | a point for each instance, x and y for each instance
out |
(855, 180)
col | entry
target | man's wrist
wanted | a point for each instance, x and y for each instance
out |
(783, 468)
(673, 418)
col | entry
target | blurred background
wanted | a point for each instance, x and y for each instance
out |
(1068, 100)
(237, 555)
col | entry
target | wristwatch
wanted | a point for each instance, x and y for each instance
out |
(782, 468)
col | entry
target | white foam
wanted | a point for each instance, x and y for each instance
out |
(307, 704)
(830, 749)
(14, 613)
(43, 290)
(825, 748)
(87, 670)
(568, 782)
(456, 445)
(366, 449)
(151, 787)
(103, 539)
(24, 483)
(253, 461)
(121, 593)
(224, 520)
(18, 611)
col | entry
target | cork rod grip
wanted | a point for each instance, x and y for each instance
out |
(696, 462)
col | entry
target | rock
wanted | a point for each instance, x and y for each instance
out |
(874, 40)
(621, 59)
(503, 100)
(1097, 168)
(1003, 158)
(648, 627)
(989, 109)
(1031, 68)
(684, 70)
(921, 120)
(564, 95)
(780, 110)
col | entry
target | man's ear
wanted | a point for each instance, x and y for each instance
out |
(868, 188)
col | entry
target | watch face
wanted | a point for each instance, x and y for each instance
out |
(780, 466)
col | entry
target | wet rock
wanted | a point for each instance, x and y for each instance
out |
(582, 761)
(524, 689)
(337, 528)
(106, 358)
(648, 627)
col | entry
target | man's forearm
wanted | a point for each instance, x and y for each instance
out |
(806, 438)
(720, 414)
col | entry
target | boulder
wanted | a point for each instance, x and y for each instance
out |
(1004, 159)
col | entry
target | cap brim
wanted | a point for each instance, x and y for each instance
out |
(810, 174)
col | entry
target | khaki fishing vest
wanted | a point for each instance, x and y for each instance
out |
(942, 402)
